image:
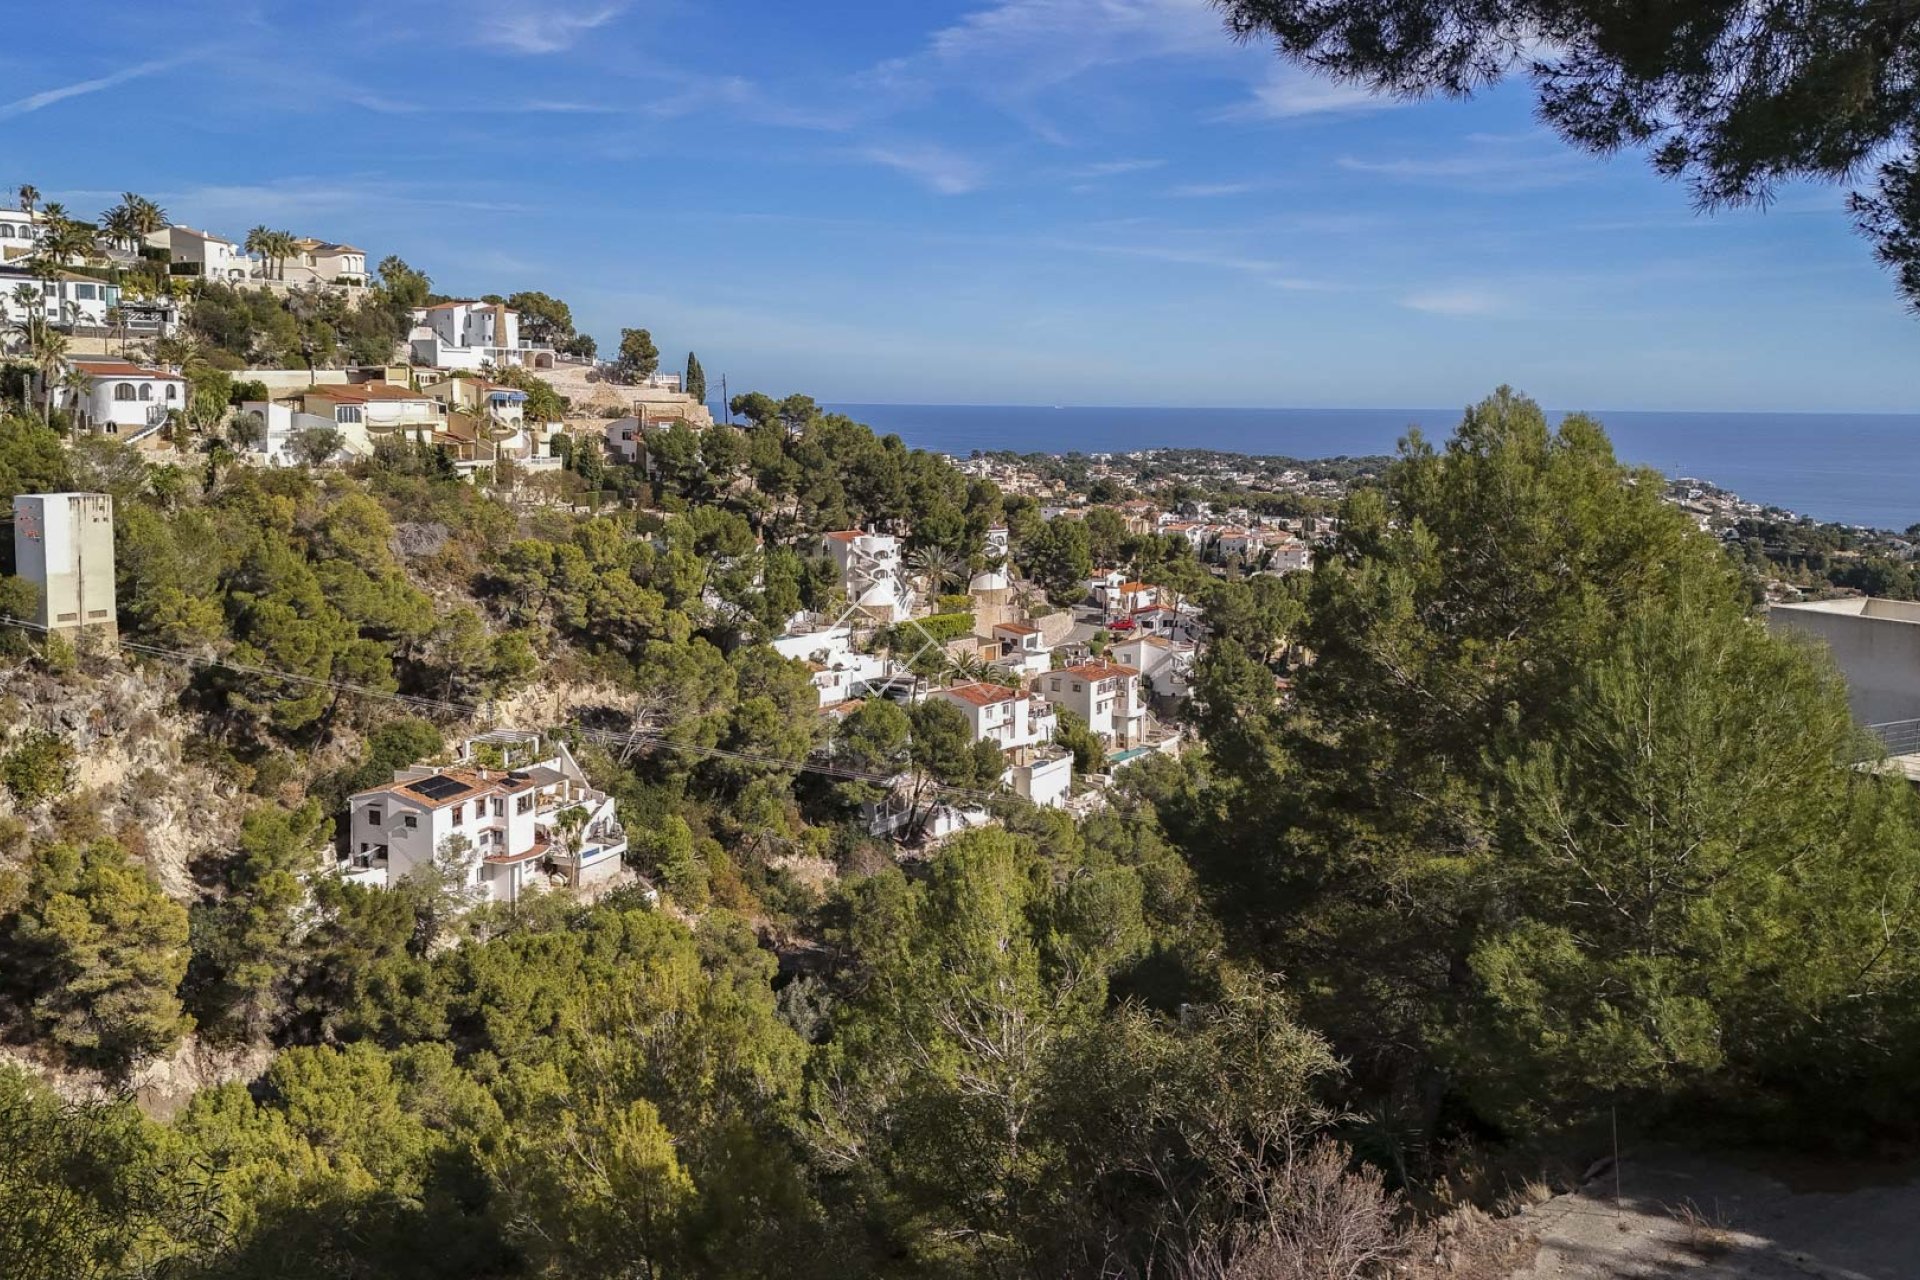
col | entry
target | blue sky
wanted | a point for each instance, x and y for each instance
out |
(1007, 201)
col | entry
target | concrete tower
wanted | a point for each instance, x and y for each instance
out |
(63, 544)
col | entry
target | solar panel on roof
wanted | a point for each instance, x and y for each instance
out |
(438, 787)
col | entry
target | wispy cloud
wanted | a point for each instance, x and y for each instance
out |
(1013, 51)
(1491, 163)
(536, 27)
(933, 166)
(47, 97)
(1290, 92)
(1265, 270)
(296, 198)
(549, 106)
(1113, 168)
(1459, 301)
(1211, 190)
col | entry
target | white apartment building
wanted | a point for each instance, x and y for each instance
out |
(526, 812)
(18, 234)
(1290, 556)
(1023, 727)
(66, 298)
(1174, 624)
(1023, 649)
(208, 256)
(127, 401)
(1104, 694)
(494, 401)
(1165, 666)
(870, 573)
(320, 262)
(1008, 718)
(840, 675)
(63, 545)
(1125, 597)
(626, 438)
(472, 335)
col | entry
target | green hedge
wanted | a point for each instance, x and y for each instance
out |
(940, 627)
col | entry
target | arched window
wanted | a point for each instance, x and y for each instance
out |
(123, 391)
(6, 232)
(173, 391)
(146, 391)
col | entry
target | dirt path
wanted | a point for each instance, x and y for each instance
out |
(1718, 1219)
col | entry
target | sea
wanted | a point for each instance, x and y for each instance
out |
(1852, 468)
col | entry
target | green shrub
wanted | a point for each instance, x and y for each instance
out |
(37, 769)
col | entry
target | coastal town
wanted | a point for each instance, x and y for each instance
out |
(1243, 735)
(1063, 644)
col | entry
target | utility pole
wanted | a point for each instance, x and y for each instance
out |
(725, 399)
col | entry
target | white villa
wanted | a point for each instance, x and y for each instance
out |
(66, 298)
(1023, 649)
(1104, 694)
(1166, 666)
(624, 439)
(18, 234)
(361, 412)
(526, 813)
(211, 257)
(318, 262)
(1290, 556)
(869, 568)
(1023, 727)
(1174, 624)
(840, 675)
(127, 401)
(472, 335)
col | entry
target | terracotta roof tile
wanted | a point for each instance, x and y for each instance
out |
(981, 694)
(1101, 669)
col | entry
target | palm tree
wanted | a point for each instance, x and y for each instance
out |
(78, 384)
(25, 309)
(935, 566)
(61, 238)
(49, 354)
(280, 247)
(258, 241)
(147, 216)
(117, 326)
(29, 197)
(117, 223)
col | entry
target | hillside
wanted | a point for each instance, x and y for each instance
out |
(1380, 948)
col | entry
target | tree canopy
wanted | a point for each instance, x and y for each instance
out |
(1733, 99)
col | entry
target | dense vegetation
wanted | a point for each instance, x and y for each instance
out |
(1547, 826)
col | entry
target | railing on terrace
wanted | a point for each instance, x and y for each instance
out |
(1898, 737)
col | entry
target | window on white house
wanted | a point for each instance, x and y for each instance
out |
(373, 816)
(347, 413)
(173, 392)
(123, 391)
(86, 292)
(410, 822)
(499, 807)
(459, 815)
(524, 804)
(146, 391)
